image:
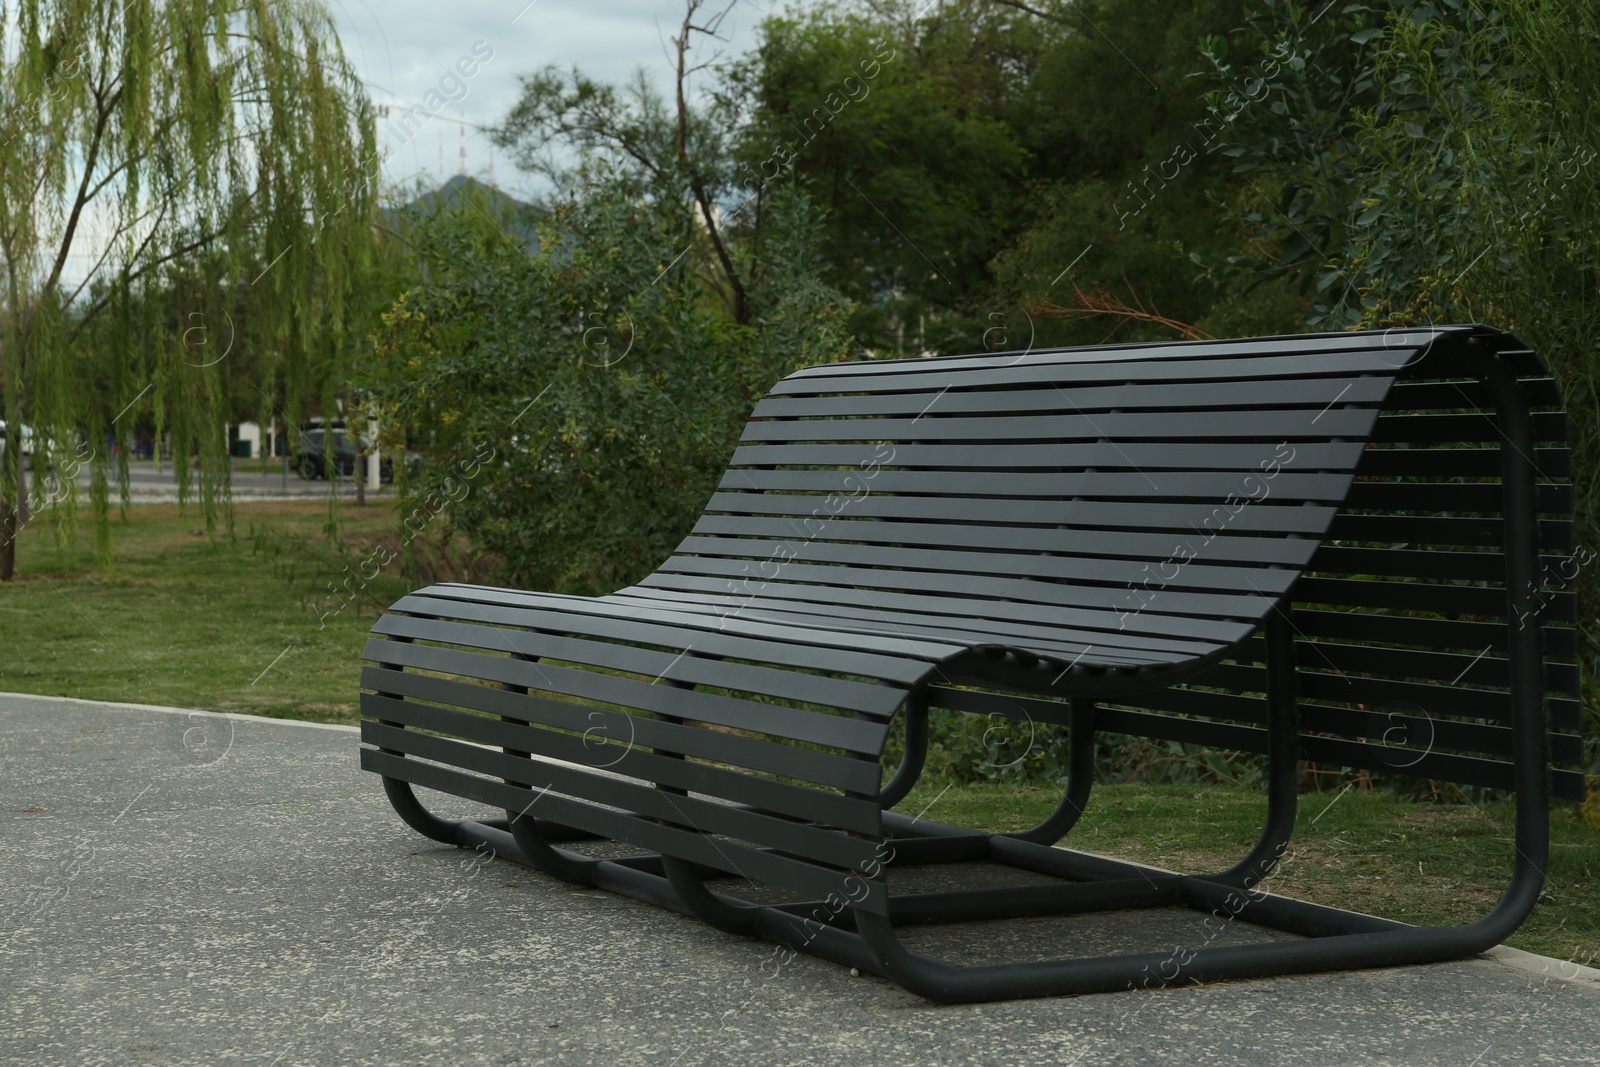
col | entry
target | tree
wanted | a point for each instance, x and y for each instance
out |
(1130, 171)
(167, 167)
(577, 404)
(904, 117)
(1003, 174)
(648, 144)
(1436, 162)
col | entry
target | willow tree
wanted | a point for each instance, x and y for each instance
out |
(187, 195)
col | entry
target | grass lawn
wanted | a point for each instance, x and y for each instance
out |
(1374, 852)
(191, 621)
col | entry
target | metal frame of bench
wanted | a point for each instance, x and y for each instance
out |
(987, 534)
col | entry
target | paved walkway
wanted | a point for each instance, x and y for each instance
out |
(181, 888)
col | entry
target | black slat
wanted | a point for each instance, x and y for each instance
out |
(1325, 349)
(1011, 705)
(772, 558)
(1110, 648)
(1564, 715)
(1420, 395)
(1333, 560)
(1288, 358)
(1408, 596)
(1394, 726)
(953, 582)
(1457, 462)
(1182, 700)
(1162, 484)
(1450, 496)
(1200, 519)
(853, 735)
(1555, 535)
(1407, 736)
(1216, 548)
(936, 608)
(1463, 770)
(1133, 396)
(810, 650)
(1479, 426)
(720, 745)
(1188, 731)
(659, 666)
(604, 617)
(1107, 455)
(1410, 630)
(1184, 426)
(801, 839)
(1393, 694)
(1480, 668)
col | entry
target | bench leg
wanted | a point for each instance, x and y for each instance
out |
(1080, 774)
(916, 755)
(952, 983)
(420, 819)
(1283, 757)
(1080, 778)
(531, 834)
(536, 847)
(688, 881)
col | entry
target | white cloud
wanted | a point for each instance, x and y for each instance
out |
(404, 48)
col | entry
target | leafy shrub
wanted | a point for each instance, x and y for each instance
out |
(577, 403)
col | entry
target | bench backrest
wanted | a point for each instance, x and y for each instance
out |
(1046, 493)
(1179, 489)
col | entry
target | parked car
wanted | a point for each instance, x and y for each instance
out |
(314, 456)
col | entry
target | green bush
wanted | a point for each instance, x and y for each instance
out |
(577, 404)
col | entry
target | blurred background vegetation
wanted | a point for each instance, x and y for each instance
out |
(876, 178)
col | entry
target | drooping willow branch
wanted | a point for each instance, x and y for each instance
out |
(168, 162)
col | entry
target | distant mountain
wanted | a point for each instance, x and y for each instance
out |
(465, 193)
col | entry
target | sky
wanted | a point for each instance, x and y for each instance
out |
(402, 49)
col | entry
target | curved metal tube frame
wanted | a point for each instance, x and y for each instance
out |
(688, 881)
(1283, 757)
(916, 754)
(1080, 778)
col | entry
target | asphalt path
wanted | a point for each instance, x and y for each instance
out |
(178, 887)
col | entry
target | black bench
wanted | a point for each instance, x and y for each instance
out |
(1345, 548)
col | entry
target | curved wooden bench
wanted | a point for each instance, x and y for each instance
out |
(1346, 548)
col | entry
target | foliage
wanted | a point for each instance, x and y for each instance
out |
(1296, 168)
(967, 749)
(1127, 171)
(903, 117)
(648, 146)
(170, 171)
(964, 154)
(1435, 162)
(577, 404)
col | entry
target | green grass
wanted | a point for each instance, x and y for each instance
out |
(191, 621)
(1376, 852)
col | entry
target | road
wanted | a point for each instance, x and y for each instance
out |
(148, 485)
